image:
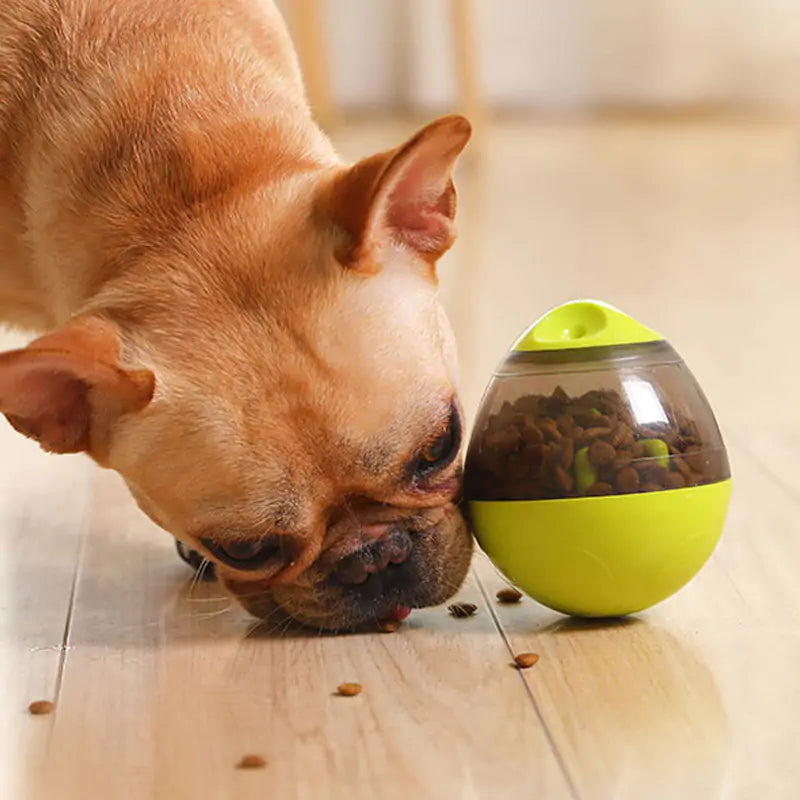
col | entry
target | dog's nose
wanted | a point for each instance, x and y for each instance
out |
(384, 558)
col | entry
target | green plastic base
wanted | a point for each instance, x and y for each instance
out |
(603, 556)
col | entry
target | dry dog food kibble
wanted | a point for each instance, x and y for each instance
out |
(389, 625)
(525, 660)
(252, 761)
(461, 610)
(38, 707)
(552, 446)
(349, 689)
(509, 595)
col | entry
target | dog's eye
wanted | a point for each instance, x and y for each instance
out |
(246, 553)
(440, 451)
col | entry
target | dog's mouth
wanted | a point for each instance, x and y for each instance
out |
(415, 564)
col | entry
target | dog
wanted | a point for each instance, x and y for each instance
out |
(239, 323)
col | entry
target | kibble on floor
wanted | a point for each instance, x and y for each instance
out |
(349, 689)
(461, 610)
(509, 595)
(526, 660)
(252, 761)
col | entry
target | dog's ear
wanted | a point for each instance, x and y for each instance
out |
(66, 389)
(404, 197)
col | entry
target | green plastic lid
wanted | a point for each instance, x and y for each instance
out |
(583, 323)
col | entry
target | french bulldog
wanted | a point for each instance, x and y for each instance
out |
(242, 325)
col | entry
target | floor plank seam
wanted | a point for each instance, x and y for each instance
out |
(553, 746)
(62, 656)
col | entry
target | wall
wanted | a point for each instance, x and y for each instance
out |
(548, 54)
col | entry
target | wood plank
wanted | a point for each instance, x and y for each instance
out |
(161, 697)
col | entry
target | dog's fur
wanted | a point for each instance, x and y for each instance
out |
(243, 326)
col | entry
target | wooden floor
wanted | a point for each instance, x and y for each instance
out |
(160, 687)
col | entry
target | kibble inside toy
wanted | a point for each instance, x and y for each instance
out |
(596, 477)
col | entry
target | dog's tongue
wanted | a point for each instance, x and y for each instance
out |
(399, 613)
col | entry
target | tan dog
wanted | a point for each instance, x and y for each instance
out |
(241, 325)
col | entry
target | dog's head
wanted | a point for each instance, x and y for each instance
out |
(277, 386)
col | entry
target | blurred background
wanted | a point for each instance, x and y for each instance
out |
(643, 152)
(570, 55)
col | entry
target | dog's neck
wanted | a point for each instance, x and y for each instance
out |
(99, 170)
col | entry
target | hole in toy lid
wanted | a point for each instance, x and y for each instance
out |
(571, 322)
(576, 332)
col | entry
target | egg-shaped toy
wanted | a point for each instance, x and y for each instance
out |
(596, 478)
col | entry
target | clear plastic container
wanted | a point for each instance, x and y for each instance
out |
(582, 422)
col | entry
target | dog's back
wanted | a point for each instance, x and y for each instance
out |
(117, 115)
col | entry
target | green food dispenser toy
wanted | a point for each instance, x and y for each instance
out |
(596, 477)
